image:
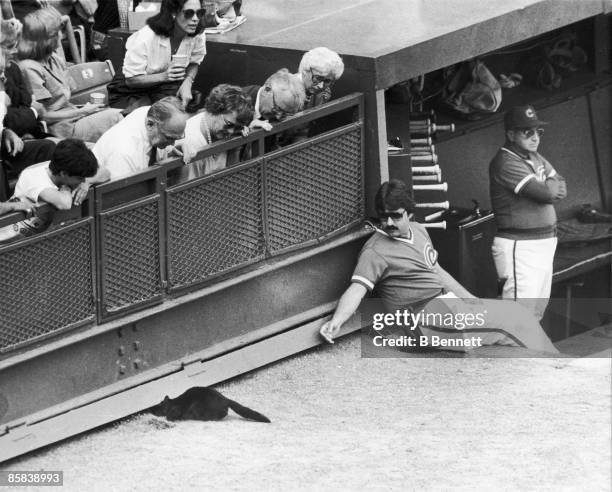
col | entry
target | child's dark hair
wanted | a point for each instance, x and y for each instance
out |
(74, 158)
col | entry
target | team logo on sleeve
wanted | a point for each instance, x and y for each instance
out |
(430, 254)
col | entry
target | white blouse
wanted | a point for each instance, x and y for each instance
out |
(148, 53)
(195, 142)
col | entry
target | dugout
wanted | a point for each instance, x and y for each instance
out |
(146, 269)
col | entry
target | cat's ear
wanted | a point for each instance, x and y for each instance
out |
(165, 404)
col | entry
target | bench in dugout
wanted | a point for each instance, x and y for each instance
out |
(583, 248)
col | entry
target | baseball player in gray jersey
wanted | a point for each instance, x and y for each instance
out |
(400, 262)
(524, 187)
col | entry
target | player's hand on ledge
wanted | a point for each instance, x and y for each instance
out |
(329, 331)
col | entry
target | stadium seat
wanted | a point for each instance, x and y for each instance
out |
(89, 77)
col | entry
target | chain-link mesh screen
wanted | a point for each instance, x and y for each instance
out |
(314, 190)
(131, 270)
(214, 226)
(46, 285)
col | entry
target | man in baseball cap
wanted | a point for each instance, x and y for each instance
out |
(522, 117)
(524, 186)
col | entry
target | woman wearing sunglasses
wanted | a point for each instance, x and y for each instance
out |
(162, 58)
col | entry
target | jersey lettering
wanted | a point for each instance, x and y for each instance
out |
(430, 255)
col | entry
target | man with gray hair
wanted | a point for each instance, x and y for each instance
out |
(131, 145)
(281, 95)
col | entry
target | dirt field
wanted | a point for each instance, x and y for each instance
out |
(341, 422)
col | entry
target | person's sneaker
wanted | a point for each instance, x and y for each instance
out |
(591, 215)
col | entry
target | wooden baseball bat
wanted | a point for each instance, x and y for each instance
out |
(431, 187)
(430, 149)
(436, 225)
(420, 141)
(435, 178)
(426, 170)
(419, 129)
(435, 215)
(443, 128)
(420, 123)
(424, 158)
(444, 205)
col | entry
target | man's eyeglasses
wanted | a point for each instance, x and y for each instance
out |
(383, 216)
(530, 132)
(170, 137)
(317, 79)
(278, 112)
(230, 125)
(189, 13)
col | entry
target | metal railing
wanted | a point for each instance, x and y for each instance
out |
(48, 280)
(141, 239)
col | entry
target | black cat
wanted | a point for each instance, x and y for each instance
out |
(200, 403)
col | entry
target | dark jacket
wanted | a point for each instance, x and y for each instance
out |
(19, 115)
(251, 91)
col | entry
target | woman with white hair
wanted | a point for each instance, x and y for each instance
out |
(319, 69)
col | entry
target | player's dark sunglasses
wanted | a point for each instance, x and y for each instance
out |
(189, 13)
(530, 132)
(390, 215)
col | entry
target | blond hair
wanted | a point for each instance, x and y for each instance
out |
(39, 38)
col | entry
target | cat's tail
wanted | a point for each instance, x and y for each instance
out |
(247, 413)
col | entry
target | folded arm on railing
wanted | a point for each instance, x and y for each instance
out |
(48, 210)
